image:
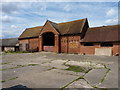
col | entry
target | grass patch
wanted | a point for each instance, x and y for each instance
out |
(52, 68)
(33, 64)
(13, 52)
(105, 75)
(76, 69)
(4, 63)
(9, 79)
(18, 66)
(3, 81)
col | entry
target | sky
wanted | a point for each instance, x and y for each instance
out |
(17, 16)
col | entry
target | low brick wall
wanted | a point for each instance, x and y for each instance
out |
(48, 48)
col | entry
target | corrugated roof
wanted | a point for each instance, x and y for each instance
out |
(31, 32)
(102, 34)
(9, 42)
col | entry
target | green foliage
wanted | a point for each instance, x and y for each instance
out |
(76, 69)
(17, 52)
(32, 64)
(9, 79)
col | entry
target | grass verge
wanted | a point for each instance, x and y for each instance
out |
(5, 63)
(76, 69)
(19, 66)
(9, 79)
(33, 64)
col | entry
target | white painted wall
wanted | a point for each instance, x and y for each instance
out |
(9, 49)
(103, 51)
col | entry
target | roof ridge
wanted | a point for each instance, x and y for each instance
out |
(72, 21)
(104, 26)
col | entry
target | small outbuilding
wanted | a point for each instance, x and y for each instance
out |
(10, 44)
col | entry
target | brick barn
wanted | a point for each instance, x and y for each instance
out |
(71, 37)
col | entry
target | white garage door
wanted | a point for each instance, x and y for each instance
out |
(103, 51)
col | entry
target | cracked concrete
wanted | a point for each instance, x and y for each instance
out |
(79, 84)
(50, 71)
(94, 76)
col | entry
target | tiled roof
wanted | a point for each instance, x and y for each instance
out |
(102, 34)
(72, 27)
(31, 32)
(9, 42)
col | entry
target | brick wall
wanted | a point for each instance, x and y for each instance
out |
(91, 49)
(49, 28)
(33, 44)
(116, 48)
(88, 49)
(0, 49)
(23, 42)
(70, 44)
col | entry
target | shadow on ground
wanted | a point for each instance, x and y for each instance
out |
(17, 87)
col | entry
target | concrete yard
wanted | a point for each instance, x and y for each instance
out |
(52, 70)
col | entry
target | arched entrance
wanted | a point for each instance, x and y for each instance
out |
(48, 41)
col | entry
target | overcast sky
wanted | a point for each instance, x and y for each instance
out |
(16, 16)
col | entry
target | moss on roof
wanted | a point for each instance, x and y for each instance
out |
(72, 27)
(8, 42)
(31, 32)
(102, 34)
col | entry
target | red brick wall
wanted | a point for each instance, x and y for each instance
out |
(70, 44)
(91, 49)
(88, 49)
(49, 28)
(63, 44)
(116, 48)
(33, 44)
(23, 42)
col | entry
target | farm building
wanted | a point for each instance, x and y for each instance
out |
(10, 44)
(71, 37)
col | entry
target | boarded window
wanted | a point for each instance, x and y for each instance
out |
(88, 44)
(106, 44)
(20, 47)
(27, 47)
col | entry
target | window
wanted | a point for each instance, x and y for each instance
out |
(106, 44)
(27, 47)
(88, 44)
(20, 47)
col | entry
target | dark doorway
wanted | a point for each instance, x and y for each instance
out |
(48, 41)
